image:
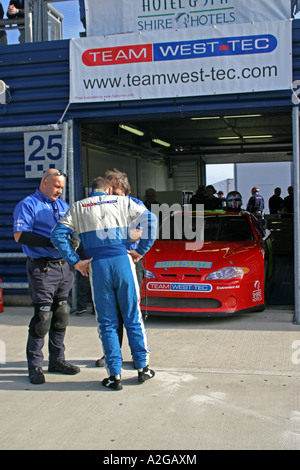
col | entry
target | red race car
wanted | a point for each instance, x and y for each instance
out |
(229, 272)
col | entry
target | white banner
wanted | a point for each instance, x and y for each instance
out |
(124, 16)
(230, 59)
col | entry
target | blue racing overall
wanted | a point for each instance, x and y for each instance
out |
(102, 223)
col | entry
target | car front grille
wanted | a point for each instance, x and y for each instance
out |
(175, 302)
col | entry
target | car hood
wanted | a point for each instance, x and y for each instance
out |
(167, 254)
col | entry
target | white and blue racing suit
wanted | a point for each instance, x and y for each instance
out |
(102, 223)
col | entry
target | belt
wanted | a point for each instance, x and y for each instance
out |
(49, 260)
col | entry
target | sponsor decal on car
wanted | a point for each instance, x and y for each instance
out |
(179, 286)
(257, 292)
(183, 264)
(227, 287)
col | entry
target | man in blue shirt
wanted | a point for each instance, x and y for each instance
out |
(50, 278)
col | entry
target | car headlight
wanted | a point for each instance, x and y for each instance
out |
(230, 272)
(149, 274)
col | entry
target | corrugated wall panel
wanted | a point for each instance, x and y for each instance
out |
(38, 76)
(39, 86)
(185, 176)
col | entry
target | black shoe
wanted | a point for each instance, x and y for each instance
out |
(81, 312)
(100, 362)
(36, 375)
(113, 383)
(145, 374)
(63, 367)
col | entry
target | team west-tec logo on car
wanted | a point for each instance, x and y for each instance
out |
(173, 286)
(179, 50)
(183, 264)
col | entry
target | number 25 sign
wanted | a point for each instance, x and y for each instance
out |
(43, 150)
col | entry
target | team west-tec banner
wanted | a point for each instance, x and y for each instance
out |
(208, 61)
(123, 16)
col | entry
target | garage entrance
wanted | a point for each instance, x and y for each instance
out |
(171, 154)
(193, 131)
(183, 146)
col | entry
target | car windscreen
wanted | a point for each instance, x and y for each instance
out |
(215, 228)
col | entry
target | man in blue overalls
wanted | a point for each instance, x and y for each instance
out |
(103, 223)
(121, 187)
(50, 278)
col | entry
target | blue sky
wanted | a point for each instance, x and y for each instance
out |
(71, 23)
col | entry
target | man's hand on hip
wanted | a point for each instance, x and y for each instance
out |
(83, 266)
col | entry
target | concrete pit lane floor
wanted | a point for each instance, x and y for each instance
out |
(225, 384)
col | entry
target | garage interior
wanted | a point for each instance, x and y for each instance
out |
(213, 139)
(178, 149)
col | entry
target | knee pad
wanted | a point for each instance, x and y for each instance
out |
(61, 315)
(40, 323)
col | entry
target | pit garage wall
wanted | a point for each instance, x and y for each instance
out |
(141, 174)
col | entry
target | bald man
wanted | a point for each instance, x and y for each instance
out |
(50, 278)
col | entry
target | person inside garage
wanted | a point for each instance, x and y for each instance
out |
(222, 198)
(150, 198)
(288, 202)
(211, 202)
(50, 278)
(199, 197)
(256, 203)
(234, 201)
(275, 202)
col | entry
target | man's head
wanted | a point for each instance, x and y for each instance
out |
(52, 183)
(210, 191)
(277, 191)
(119, 182)
(150, 195)
(102, 184)
(201, 189)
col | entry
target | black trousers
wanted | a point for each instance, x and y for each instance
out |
(49, 282)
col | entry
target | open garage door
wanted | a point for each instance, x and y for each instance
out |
(184, 146)
(171, 155)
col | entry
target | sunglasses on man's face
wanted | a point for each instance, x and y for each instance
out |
(58, 173)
